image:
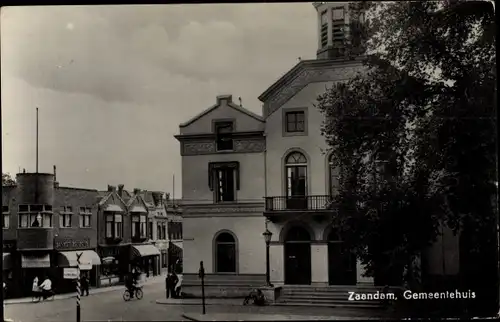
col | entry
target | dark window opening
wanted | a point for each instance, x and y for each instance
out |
(295, 122)
(224, 131)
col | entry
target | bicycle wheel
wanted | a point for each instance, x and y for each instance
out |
(139, 294)
(126, 295)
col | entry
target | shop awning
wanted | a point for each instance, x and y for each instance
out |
(178, 244)
(176, 250)
(144, 250)
(35, 261)
(69, 259)
(7, 261)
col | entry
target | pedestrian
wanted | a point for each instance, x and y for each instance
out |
(34, 287)
(168, 285)
(84, 283)
(173, 284)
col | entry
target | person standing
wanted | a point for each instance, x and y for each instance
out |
(173, 283)
(84, 281)
(34, 286)
(168, 282)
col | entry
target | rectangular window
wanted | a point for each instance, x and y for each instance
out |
(67, 209)
(164, 231)
(114, 226)
(65, 220)
(139, 226)
(158, 232)
(85, 216)
(6, 221)
(223, 131)
(35, 216)
(295, 122)
(5, 209)
(150, 231)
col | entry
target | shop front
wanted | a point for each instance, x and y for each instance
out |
(163, 260)
(114, 264)
(146, 257)
(8, 260)
(68, 251)
(35, 264)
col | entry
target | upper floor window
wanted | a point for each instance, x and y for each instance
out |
(164, 231)
(85, 216)
(295, 121)
(223, 131)
(67, 209)
(138, 226)
(6, 217)
(296, 174)
(114, 225)
(65, 220)
(150, 230)
(158, 232)
(224, 180)
(35, 216)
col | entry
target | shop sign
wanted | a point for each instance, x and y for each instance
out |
(69, 243)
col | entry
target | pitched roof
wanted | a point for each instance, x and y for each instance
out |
(230, 103)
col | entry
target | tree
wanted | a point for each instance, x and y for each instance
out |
(7, 180)
(415, 132)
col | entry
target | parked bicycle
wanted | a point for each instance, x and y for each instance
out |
(137, 292)
(257, 298)
(38, 296)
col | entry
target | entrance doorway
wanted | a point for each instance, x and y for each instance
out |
(298, 256)
(341, 262)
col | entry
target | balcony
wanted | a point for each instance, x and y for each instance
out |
(277, 207)
(35, 238)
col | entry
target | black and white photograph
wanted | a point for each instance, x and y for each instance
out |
(250, 161)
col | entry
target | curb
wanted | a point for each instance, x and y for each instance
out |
(228, 303)
(188, 317)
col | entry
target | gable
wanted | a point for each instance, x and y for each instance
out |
(112, 200)
(306, 72)
(224, 110)
(137, 204)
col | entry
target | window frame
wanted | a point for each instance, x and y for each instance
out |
(65, 220)
(216, 177)
(116, 225)
(290, 167)
(6, 217)
(216, 252)
(220, 136)
(85, 214)
(138, 221)
(32, 211)
(286, 112)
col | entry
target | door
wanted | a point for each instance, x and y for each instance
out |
(341, 262)
(297, 253)
(298, 263)
(297, 187)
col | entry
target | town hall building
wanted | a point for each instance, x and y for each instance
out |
(243, 173)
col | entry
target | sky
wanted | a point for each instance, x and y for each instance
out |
(112, 83)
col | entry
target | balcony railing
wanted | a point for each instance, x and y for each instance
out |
(305, 203)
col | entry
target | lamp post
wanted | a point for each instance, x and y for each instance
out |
(169, 232)
(267, 237)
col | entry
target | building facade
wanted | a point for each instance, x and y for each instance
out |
(44, 227)
(272, 172)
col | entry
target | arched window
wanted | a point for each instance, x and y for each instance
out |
(225, 253)
(296, 175)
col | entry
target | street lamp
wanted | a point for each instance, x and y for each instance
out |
(267, 237)
(169, 232)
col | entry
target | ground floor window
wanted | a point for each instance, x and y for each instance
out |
(110, 268)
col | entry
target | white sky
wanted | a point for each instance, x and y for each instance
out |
(114, 82)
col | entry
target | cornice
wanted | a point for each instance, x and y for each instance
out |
(212, 136)
(234, 208)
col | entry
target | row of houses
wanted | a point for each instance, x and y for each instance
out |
(45, 225)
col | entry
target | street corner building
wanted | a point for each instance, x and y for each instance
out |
(244, 174)
(44, 227)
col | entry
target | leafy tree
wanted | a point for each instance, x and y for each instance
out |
(7, 179)
(415, 132)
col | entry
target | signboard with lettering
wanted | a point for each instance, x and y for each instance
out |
(70, 273)
(69, 243)
(8, 246)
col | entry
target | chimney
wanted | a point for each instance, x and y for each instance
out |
(111, 188)
(56, 184)
(137, 191)
(120, 189)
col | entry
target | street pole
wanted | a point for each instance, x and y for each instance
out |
(201, 274)
(78, 317)
(268, 277)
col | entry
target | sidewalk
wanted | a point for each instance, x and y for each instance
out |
(266, 317)
(94, 291)
(210, 301)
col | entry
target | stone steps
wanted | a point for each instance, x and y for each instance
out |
(328, 296)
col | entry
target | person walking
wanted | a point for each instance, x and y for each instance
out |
(84, 281)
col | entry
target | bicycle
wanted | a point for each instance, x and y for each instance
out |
(257, 297)
(138, 293)
(38, 296)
